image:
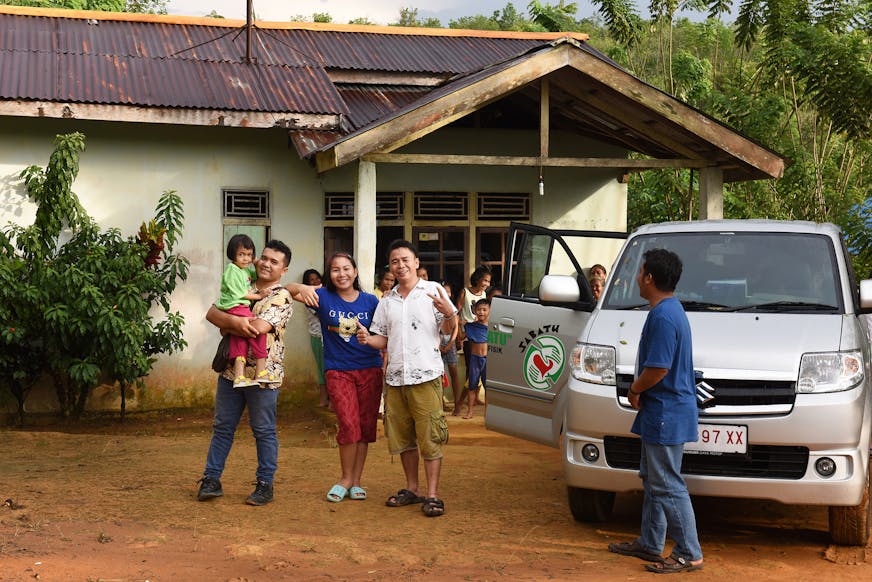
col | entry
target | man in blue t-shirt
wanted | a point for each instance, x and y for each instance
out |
(664, 394)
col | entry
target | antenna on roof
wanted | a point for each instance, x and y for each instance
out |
(249, 19)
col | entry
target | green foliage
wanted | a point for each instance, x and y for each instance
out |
(142, 6)
(83, 296)
(409, 17)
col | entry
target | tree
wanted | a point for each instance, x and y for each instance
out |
(143, 6)
(84, 296)
(409, 17)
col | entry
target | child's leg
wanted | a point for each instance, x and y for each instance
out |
(456, 388)
(258, 349)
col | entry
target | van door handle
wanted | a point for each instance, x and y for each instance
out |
(505, 324)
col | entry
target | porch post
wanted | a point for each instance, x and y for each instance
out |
(711, 193)
(364, 224)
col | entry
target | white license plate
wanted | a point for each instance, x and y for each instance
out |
(719, 438)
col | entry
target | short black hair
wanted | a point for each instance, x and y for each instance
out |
(239, 241)
(478, 274)
(484, 301)
(664, 267)
(281, 247)
(402, 244)
(328, 280)
(309, 272)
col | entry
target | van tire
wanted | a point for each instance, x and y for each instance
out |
(590, 505)
(850, 526)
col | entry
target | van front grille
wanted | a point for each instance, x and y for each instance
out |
(729, 392)
(761, 461)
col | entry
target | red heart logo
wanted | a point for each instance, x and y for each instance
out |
(540, 364)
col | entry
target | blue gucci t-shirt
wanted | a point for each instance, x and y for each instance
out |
(339, 320)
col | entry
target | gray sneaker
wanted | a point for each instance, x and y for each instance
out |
(262, 494)
(210, 487)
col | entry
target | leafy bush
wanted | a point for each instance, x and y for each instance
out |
(76, 300)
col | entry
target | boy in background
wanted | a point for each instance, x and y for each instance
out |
(476, 334)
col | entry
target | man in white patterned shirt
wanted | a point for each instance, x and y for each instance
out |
(407, 322)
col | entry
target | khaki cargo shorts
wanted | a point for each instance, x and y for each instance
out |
(414, 419)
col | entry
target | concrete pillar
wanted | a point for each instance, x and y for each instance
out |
(711, 193)
(365, 224)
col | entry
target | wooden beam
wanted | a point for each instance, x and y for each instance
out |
(674, 110)
(531, 161)
(431, 116)
(544, 121)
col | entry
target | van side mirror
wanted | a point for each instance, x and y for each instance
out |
(559, 289)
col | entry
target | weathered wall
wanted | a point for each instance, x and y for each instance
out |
(123, 172)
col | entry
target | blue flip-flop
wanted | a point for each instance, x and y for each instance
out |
(337, 493)
(357, 493)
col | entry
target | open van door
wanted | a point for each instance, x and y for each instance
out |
(534, 325)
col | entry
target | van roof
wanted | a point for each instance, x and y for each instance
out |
(750, 225)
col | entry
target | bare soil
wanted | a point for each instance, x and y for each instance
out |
(103, 501)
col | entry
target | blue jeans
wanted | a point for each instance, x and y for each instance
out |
(229, 404)
(666, 508)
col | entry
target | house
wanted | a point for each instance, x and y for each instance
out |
(339, 137)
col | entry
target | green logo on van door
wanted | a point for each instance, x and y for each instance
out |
(543, 362)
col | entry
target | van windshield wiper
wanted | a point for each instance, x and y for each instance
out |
(787, 306)
(703, 306)
(631, 307)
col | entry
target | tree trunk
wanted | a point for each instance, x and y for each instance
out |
(123, 386)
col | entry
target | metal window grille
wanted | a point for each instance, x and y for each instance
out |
(340, 205)
(246, 204)
(504, 206)
(442, 205)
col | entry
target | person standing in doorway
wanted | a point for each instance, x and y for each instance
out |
(312, 278)
(476, 332)
(664, 394)
(408, 321)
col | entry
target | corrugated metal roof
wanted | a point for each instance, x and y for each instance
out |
(366, 103)
(186, 65)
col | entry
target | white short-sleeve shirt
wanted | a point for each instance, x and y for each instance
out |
(412, 328)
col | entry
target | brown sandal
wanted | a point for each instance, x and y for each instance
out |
(677, 564)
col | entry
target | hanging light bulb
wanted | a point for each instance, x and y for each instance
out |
(541, 185)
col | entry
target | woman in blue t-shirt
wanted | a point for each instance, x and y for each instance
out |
(353, 371)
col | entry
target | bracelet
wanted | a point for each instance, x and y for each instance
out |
(633, 392)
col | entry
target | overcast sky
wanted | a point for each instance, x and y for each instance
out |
(377, 11)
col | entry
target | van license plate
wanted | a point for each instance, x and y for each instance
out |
(719, 438)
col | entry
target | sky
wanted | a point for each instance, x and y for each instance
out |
(377, 11)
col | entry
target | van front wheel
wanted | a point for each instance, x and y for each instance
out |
(850, 526)
(588, 505)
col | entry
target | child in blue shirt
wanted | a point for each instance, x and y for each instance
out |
(476, 334)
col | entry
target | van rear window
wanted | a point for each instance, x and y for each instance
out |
(771, 272)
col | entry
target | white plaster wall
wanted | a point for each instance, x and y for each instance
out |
(123, 172)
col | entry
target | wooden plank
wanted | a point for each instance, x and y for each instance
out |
(532, 161)
(431, 116)
(679, 113)
(544, 122)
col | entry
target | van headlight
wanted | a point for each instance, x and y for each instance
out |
(829, 372)
(593, 363)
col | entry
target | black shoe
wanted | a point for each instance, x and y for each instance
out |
(262, 494)
(210, 487)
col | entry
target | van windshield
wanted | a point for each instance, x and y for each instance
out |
(766, 272)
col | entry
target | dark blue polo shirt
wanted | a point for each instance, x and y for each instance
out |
(668, 414)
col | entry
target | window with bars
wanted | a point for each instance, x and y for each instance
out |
(340, 205)
(493, 206)
(246, 212)
(441, 205)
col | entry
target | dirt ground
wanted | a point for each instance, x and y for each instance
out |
(104, 501)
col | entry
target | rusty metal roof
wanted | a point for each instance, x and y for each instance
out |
(161, 63)
(366, 103)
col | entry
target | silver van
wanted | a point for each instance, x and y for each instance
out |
(781, 354)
